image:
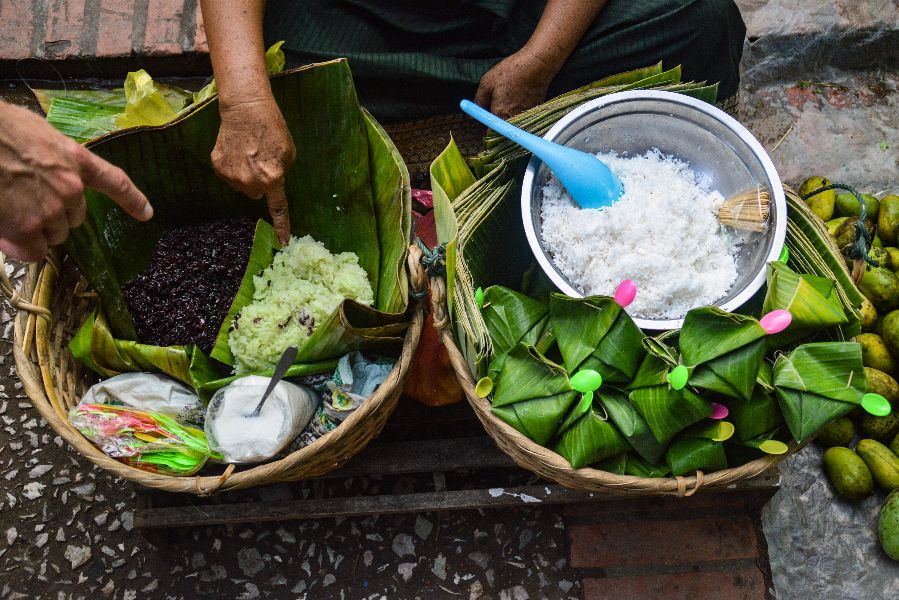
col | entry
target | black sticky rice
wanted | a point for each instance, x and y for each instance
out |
(184, 294)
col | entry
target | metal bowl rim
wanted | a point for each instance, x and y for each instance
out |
(780, 202)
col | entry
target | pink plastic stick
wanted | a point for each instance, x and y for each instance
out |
(625, 293)
(776, 321)
(719, 411)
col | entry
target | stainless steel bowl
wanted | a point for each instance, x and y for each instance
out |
(709, 140)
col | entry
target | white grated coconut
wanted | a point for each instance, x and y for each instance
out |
(663, 234)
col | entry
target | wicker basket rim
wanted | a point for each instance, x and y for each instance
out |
(543, 461)
(35, 379)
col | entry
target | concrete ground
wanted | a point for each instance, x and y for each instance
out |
(820, 92)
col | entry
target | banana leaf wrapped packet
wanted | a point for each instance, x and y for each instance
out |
(596, 333)
(724, 351)
(817, 383)
(511, 319)
(687, 454)
(812, 301)
(532, 394)
(761, 413)
(588, 435)
(665, 409)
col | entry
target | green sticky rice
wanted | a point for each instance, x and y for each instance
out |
(302, 286)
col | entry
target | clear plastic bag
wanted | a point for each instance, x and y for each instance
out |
(150, 441)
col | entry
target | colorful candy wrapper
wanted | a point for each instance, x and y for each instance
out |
(150, 441)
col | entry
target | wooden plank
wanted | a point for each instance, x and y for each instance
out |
(223, 514)
(535, 495)
(402, 458)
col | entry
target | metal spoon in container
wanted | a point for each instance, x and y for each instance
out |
(588, 180)
(284, 363)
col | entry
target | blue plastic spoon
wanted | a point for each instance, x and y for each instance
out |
(589, 182)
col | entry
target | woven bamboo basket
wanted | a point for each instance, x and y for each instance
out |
(52, 303)
(546, 463)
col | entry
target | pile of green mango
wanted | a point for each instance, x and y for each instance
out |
(855, 467)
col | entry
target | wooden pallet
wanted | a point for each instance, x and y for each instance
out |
(445, 455)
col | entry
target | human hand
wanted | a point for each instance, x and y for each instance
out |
(253, 151)
(42, 179)
(516, 83)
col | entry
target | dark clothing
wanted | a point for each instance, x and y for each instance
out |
(415, 58)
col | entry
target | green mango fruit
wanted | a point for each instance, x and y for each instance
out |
(888, 526)
(822, 203)
(848, 473)
(888, 220)
(881, 287)
(839, 432)
(868, 316)
(875, 353)
(847, 205)
(889, 331)
(881, 256)
(877, 428)
(883, 464)
(834, 224)
(881, 383)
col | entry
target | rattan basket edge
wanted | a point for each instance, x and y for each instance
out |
(44, 367)
(546, 463)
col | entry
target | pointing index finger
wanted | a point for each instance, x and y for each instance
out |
(276, 199)
(108, 179)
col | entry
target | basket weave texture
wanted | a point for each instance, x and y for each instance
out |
(53, 302)
(546, 463)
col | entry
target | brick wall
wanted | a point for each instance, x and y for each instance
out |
(108, 29)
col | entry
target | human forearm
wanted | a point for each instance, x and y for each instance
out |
(559, 30)
(237, 50)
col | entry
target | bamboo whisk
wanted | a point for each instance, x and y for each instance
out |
(746, 210)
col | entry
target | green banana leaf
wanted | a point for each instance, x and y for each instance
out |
(532, 394)
(812, 301)
(638, 467)
(87, 114)
(144, 104)
(629, 422)
(596, 333)
(817, 383)
(668, 411)
(513, 318)
(813, 251)
(591, 437)
(94, 345)
(334, 190)
(354, 192)
(723, 350)
(759, 414)
(689, 454)
(614, 464)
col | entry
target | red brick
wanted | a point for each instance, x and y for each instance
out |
(698, 504)
(115, 24)
(163, 27)
(643, 543)
(200, 44)
(65, 24)
(747, 584)
(16, 28)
